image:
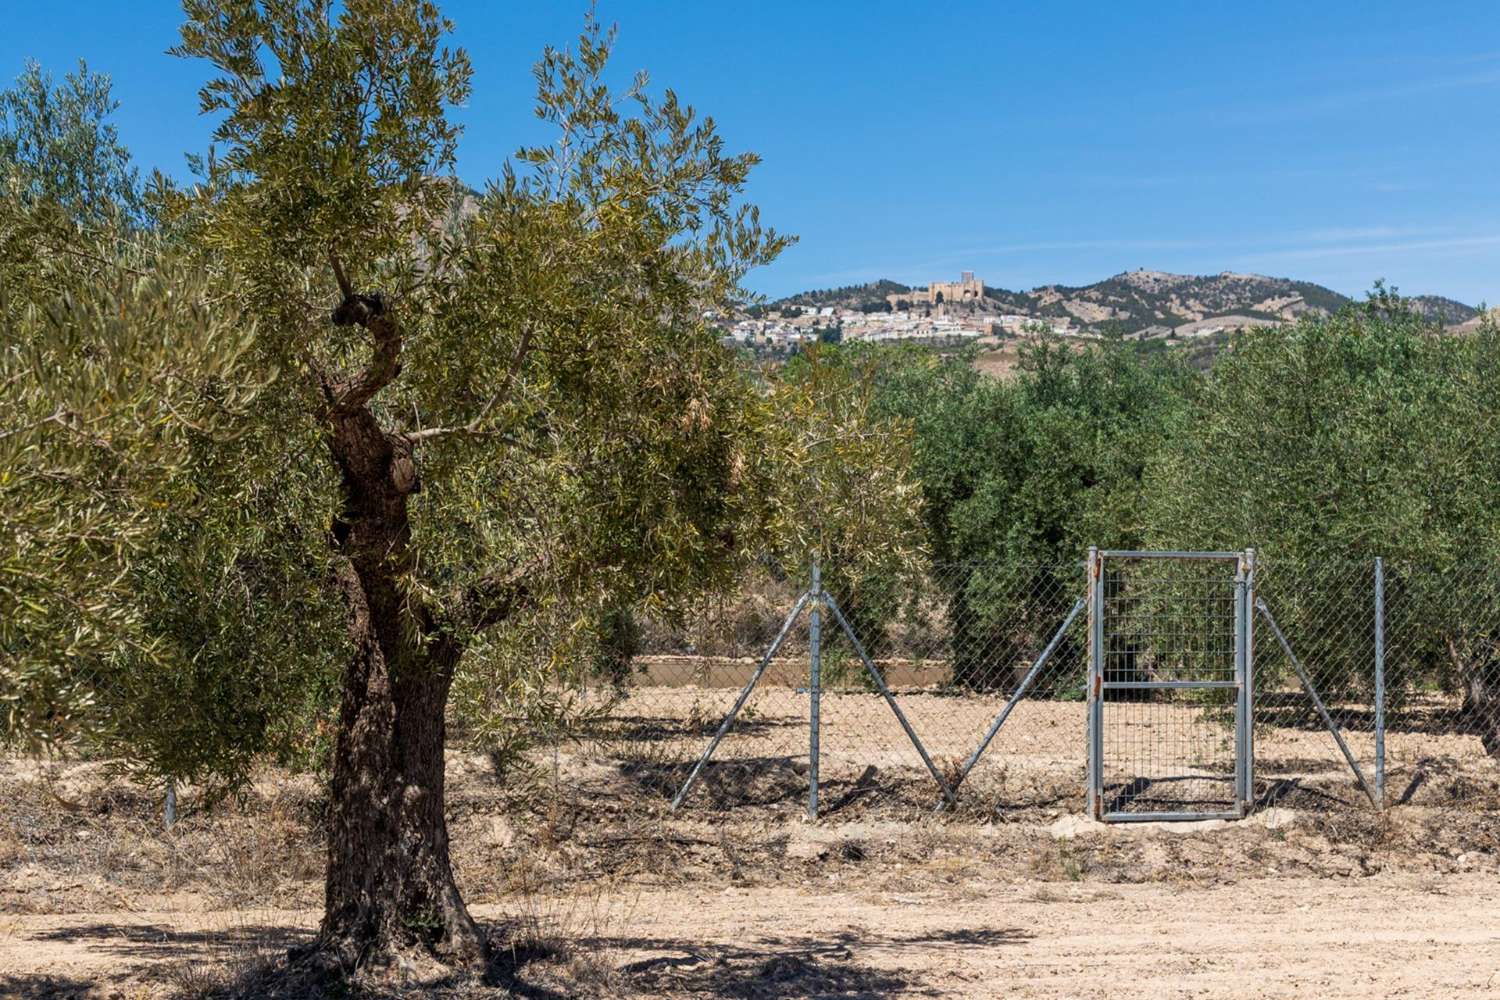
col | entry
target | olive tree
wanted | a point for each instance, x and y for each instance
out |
(1020, 476)
(1372, 432)
(511, 394)
(844, 494)
(114, 366)
(60, 148)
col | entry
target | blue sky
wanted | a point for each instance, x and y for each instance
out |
(1032, 143)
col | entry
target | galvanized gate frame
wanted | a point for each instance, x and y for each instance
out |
(817, 598)
(1243, 684)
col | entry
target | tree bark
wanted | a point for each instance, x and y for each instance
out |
(389, 891)
(1482, 703)
(1480, 670)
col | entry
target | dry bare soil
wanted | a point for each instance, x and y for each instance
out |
(593, 889)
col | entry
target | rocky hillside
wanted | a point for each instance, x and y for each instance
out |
(1138, 300)
(1155, 302)
(1447, 311)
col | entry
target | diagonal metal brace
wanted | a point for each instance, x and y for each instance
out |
(1019, 693)
(889, 700)
(1312, 692)
(765, 661)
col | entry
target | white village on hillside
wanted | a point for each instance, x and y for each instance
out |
(951, 312)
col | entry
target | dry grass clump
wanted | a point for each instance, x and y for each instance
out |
(72, 838)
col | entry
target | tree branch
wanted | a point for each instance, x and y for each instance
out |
(338, 273)
(367, 311)
(501, 396)
(494, 597)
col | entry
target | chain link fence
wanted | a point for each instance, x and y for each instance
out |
(1442, 668)
(967, 685)
(913, 670)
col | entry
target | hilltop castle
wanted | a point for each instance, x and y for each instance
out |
(966, 289)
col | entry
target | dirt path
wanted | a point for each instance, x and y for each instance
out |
(1407, 936)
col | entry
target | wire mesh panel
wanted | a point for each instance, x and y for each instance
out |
(959, 647)
(1442, 672)
(1169, 700)
(978, 678)
(915, 673)
(1314, 671)
(683, 676)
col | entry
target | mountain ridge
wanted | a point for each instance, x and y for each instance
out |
(1141, 301)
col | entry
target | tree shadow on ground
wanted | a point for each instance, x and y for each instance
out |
(744, 782)
(800, 966)
(767, 967)
(152, 950)
(42, 986)
(155, 954)
(1294, 793)
(662, 728)
(157, 941)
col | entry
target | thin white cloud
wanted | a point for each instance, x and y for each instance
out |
(1459, 244)
(1115, 244)
(1338, 102)
(1341, 234)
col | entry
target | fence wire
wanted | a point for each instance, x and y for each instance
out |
(1442, 668)
(956, 647)
(1326, 612)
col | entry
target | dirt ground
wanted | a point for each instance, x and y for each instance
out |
(1383, 936)
(593, 888)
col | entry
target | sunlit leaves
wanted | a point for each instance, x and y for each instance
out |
(58, 147)
(108, 381)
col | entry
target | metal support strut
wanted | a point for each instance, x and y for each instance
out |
(765, 661)
(885, 693)
(1018, 694)
(1317, 701)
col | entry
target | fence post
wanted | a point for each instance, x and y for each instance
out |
(1240, 614)
(814, 688)
(1249, 690)
(1094, 690)
(1380, 682)
(169, 805)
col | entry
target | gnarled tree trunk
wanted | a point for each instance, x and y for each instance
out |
(390, 890)
(1478, 663)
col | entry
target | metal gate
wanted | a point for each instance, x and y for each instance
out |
(1169, 693)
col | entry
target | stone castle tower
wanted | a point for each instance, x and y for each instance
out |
(966, 289)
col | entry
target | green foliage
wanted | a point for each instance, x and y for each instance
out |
(135, 607)
(871, 293)
(1367, 433)
(57, 146)
(839, 466)
(111, 375)
(1035, 469)
(1020, 477)
(578, 424)
(1335, 440)
(843, 489)
(579, 433)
